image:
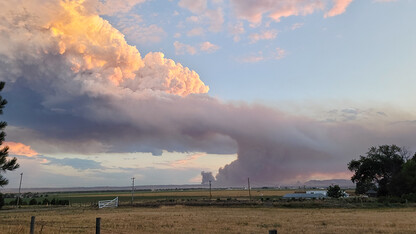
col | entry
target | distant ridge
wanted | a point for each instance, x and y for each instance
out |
(325, 183)
(103, 188)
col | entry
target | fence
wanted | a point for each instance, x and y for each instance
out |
(97, 226)
(108, 203)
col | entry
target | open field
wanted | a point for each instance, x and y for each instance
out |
(125, 196)
(181, 219)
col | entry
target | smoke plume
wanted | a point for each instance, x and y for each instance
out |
(87, 91)
(207, 177)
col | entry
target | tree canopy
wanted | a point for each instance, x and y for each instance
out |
(335, 191)
(386, 169)
(5, 164)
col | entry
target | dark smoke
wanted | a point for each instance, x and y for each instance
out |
(207, 177)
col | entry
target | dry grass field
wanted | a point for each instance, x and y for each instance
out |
(191, 193)
(180, 219)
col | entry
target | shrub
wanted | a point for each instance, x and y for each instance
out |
(33, 202)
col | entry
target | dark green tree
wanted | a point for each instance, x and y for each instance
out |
(405, 181)
(378, 168)
(33, 202)
(1, 200)
(5, 164)
(335, 191)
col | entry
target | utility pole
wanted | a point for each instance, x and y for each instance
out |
(249, 189)
(210, 195)
(132, 191)
(20, 185)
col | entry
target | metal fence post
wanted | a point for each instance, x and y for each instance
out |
(32, 225)
(98, 226)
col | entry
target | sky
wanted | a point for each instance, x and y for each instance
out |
(177, 91)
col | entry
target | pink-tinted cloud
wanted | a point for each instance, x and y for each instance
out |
(208, 47)
(187, 161)
(339, 7)
(254, 11)
(17, 148)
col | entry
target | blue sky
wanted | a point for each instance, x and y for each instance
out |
(354, 55)
(296, 88)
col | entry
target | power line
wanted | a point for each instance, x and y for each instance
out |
(249, 189)
(210, 195)
(20, 185)
(132, 190)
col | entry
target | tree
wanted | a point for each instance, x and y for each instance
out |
(378, 169)
(5, 165)
(335, 191)
(405, 181)
(1, 200)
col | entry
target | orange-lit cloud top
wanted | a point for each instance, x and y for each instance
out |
(17, 148)
(90, 51)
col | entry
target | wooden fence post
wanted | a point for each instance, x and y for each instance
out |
(98, 226)
(32, 225)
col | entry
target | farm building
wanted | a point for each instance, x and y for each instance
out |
(323, 192)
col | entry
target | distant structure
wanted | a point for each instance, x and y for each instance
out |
(323, 192)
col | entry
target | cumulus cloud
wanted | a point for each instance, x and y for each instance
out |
(70, 35)
(81, 88)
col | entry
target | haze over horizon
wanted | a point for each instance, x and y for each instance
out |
(278, 91)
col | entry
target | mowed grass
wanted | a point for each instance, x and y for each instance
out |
(182, 219)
